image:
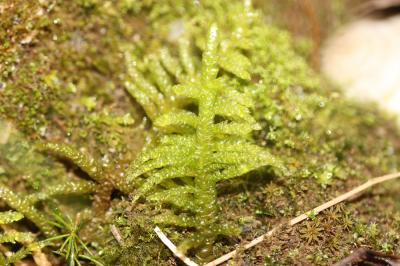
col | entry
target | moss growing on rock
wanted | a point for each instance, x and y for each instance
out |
(63, 81)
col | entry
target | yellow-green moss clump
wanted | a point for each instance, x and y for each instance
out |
(105, 79)
(200, 149)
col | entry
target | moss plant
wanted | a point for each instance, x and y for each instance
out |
(62, 80)
(89, 166)
(20, 158)
(198, 150)
(12, 236)
(25, 204)
(155, 94)
(104, 180)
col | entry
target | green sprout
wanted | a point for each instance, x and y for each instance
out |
(73, 248)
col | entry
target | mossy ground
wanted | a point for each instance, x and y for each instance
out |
(62, 80)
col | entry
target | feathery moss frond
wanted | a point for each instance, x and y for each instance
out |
(159, 93)
(19, 203)
(75, 187)
(20, 158)
(88, 165)
(208, 153)
(26, 204)
(163, 69)
(10, 217)
(104, 183)
(12, 236)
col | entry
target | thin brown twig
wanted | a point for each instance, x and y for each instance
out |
(296, 220)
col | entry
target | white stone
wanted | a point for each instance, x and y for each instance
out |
(364, 59)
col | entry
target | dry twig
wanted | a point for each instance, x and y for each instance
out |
(369, 256)
(173, 248)
(117, 235)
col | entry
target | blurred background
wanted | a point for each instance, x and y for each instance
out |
(354, 43)
(313, 20)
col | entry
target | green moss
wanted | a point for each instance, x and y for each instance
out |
(12, 236)
(200, 152)
(138, 244)
(45, 179)
(63, 79)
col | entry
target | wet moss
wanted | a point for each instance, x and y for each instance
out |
(62, 80)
